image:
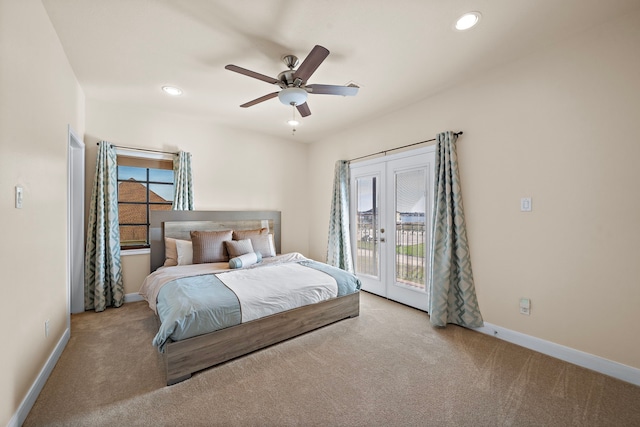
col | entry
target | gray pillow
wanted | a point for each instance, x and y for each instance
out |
(236, 248)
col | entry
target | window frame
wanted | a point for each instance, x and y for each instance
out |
(148, 160)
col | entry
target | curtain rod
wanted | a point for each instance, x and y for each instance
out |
(398, 148)
(139, 149)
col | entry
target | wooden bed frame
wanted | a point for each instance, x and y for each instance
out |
(183, 358)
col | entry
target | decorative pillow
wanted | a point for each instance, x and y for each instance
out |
(245, 260)
(246, 234)
(263, 243)
(170, 252)
(208, 246)
(184, 249)
(238, 247)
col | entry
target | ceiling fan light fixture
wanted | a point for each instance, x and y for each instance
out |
(467, 21)
(293, 122)
(292, 96)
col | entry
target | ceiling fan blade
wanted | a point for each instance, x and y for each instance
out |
(303, 109)
(250, 73)
(259, 100)
(311, 63)
(333, 90)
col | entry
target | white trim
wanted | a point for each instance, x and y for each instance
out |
(133, 298)
(75, 223)
(30, 399)
(143, 154)
(388, 157)
(568, 354)
(128, 252)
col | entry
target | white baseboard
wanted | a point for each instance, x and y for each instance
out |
(132, 298)
(30, 399)
(577, 357)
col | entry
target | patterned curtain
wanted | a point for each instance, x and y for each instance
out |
(103, 274)
(339, 245)
(183, 183)
(452, 292)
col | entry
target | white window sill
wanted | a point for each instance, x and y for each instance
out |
(127, 252)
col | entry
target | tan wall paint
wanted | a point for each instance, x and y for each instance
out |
(232, 169)
(560, 126)
(40, 97)
(134, 270)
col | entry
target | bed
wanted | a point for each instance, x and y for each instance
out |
(187, 347)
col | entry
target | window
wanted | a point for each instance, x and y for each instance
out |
(144, 184)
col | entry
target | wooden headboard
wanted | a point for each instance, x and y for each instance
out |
(178, 224)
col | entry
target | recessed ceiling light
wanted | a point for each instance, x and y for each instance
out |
(468, 20)
(172, 90)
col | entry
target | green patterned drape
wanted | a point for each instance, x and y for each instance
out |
(452, 294)
(339, 244)
(182, 182)
(103, 274)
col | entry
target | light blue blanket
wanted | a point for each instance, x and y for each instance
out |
(193, 306)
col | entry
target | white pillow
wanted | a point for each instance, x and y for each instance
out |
(185, 252)
(263, 243)
(170, 252)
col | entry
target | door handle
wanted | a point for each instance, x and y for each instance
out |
(382, 239)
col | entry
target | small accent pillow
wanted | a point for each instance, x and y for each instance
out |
(263, 243)
(245, 260)
(184, 249)
(170, 252)
(246, 234)
(208, 246)
(238, 247)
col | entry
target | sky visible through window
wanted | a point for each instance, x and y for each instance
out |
(410, 192)
(158, 175)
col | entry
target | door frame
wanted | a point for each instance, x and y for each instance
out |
(75, 222)
(387, 264)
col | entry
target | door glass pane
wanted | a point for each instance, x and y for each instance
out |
(410, 211)
(368, 256)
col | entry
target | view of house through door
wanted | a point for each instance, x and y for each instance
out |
(390, 217)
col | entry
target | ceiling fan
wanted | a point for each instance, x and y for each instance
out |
(293, 83)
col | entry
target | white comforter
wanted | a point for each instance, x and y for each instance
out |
(252, 284)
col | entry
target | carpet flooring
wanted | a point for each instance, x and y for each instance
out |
(387, 367)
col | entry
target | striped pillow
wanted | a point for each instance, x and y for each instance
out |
(208, 246)
(238, 247)
(247, 234)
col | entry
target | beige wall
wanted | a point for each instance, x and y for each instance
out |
(560, 126)
(39, 98)
(232, 169)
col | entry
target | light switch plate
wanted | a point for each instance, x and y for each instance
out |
(19, 197)
(525, 204)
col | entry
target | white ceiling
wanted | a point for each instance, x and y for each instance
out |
(398, 51)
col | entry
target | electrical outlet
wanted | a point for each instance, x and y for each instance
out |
(46, 328)
(525, 306)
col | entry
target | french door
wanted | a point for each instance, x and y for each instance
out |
(391, 203)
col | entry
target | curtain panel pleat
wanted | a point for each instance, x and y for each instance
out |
(183, 182)
(339, 242)
(452, 292)
(103, 285)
